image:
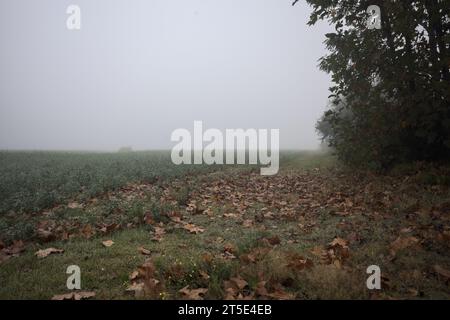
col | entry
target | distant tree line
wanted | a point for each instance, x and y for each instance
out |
(390, 100)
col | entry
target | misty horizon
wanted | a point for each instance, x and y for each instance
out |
(135, 73)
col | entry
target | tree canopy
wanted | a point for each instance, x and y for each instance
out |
(391, 86)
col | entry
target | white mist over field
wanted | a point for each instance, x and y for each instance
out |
(137, 70)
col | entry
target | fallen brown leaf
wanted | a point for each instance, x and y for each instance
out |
(45, 235)
(239, 282)
(46, 252)
(148, 218)
(109, 227)
(229, 247)
(204, 275)
(76, 295)
(261, 290)
(247, 223)
(247, 258)
(193, 228)
(402, 243)
(280, 294)
(207, 257)
(298, 263)
(144, 251)
(74, 205)
(272, 240)
(87, 231)
(16, 248)
(158, 234)
(134, 275)
(4, 257)
(193, 294)
(147, 269)
(137, 289)
(230, 215)
(108, 243)
(338, 242)
(144, 283)
(444, 273)
(337, 252)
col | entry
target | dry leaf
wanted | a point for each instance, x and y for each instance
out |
(234, 289)
(147, 269)
(108, 243)
(239, 282)
(158, 233)
(87, 231)
(207, 257)
(247, 258)
(298, 263)
(193, 228)
(194, 294)
(228, 256)
(46, 252)
(148, 218)
(318, 251)
(134, 275)
(247, 223)
(402, 243)
(204, 275)
(280, 295)
(75, 295)
(74, 205)
(230, 215)
(229, 247)
(231, 293)
(444, 273)
(45, 235)
(272, 240)
(144, 283)
(261, 290)
(338, 242)
(337, 252)
(4, 257)
(108, 228)
(137, 289)
(176, 219)
(144, 251)
(16, 248)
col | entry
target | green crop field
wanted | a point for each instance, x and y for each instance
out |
(32, 181)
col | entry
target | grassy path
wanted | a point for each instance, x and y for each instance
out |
(309, 232)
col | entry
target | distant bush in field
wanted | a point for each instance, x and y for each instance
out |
(125, 150)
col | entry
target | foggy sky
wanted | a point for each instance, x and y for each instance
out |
(137, 70)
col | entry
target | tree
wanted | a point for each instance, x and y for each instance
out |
(395, 80)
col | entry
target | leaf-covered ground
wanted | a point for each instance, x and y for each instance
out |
(309, 232)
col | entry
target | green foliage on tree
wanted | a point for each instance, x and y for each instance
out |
(391, 92)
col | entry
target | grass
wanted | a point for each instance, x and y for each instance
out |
(307, 205)
(106, 270)
(32, 181)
